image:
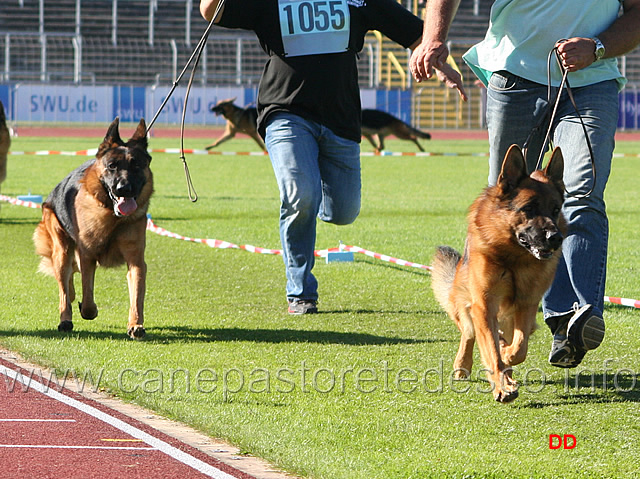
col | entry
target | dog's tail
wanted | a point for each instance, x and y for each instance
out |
(419, 133)
(443, 271)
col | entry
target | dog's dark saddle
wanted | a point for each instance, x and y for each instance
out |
(63, 197)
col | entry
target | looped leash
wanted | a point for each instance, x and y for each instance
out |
(197, 54)
(564, 83)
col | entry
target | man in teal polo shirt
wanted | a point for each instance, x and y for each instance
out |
(513, 62)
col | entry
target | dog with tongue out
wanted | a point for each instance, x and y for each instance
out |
(97, 215)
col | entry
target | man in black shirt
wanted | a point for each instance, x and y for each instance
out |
(309, 111)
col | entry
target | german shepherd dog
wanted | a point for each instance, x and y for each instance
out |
(492, 292)
(376, 123)
(98, 215)
(5, 143)
(242, 120)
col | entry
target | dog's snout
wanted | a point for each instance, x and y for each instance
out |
(554, 237)
(123, 188)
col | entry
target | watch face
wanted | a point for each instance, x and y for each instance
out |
(599, 48)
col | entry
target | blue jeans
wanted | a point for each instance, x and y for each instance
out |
(318, 175)
(515, 107)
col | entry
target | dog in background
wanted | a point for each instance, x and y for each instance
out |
(492, 292)
(380, 124)
(98, 215)
(5, 143)
(239, 120)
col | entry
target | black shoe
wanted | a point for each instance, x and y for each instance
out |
(303, 306)
(585, 329)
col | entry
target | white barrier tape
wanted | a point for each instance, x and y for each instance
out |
(632, 303)
(17, 202)
(214, 243)
(176, 151)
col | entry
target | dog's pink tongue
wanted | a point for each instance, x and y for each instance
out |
(126, 206)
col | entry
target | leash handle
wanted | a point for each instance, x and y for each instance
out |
(565, 83)
(196, 54)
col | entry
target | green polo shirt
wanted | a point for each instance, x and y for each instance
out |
(522, 33)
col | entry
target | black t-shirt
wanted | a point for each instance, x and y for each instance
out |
(319, 87)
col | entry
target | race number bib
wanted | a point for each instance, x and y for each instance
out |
(311, 27)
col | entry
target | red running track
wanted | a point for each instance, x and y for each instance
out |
(47, 431)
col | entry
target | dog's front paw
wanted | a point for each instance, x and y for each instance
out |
(65, 326)
(507, 390)
(506, 396)
(136, 332)
(88, 312)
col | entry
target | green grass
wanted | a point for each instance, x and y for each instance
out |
(223, 355)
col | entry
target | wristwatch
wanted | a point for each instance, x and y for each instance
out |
(599, 52)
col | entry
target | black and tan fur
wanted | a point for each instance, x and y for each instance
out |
(239, 120)
(492, 292)
(380, 124)
(97, 216)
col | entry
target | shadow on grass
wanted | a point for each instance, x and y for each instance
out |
(592, 387)
(185, 334)
(20, 221)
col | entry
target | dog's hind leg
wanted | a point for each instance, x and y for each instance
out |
(259, 141)
(415, 140)
(381, 141)
(464, 358)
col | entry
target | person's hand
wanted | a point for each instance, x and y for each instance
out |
(451, 78)
(576, 53)
(427, 56)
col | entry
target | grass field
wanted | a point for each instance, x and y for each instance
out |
(362, 390)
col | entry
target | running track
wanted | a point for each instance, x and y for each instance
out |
(47, 431)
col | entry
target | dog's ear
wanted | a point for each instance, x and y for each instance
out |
(112, 138)
(139, 138)
(514, 169)
(555, 168)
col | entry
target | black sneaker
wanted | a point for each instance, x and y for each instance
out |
(303, 306)
(564, 354)
(585, 329)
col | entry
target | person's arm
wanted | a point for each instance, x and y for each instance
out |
(621, 37)
(432, 52)
(208, 8)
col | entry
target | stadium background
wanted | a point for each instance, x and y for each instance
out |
(86, 61)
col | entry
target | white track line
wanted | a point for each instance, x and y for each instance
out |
(156, 443)
(47, 446)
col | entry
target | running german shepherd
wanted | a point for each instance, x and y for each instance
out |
(239, 120)
(381, 124)
(98, 215)
(5, 143)
(511, 253)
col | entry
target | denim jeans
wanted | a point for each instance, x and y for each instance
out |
(515, 107)
(318, 175)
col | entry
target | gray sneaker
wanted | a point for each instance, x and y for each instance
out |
(574, 336)
(563, 353)
(303, 306)
(585, 329)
